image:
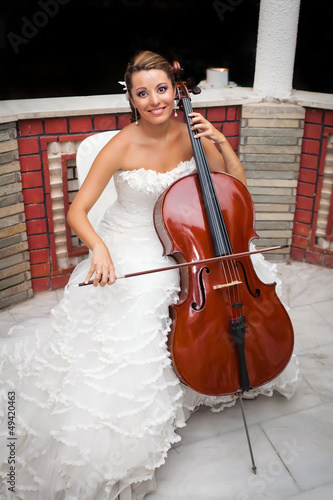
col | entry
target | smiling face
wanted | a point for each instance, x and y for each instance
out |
(153, 95)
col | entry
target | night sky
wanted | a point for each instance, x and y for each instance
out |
(51, 48)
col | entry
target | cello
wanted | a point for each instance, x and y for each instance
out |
(230, 332)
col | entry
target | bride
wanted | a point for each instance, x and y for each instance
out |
(97, 401)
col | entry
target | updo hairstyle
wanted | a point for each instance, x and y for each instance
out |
(144, 61)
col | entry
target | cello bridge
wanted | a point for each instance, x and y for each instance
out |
(226, 285)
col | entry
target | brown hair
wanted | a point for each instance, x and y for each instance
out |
(144, 61)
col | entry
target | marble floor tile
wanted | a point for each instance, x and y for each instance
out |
(311, 328)
(6, 322)
(317, 367)
(304, 441)
(325, 309)
(220, 468)
(322, 493)
(292, 439)
(306, 284)
(38, 306)
(204, 424)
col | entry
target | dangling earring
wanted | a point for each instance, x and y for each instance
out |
(136, 116)
(175, 112)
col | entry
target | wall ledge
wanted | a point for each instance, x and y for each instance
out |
(23, 109)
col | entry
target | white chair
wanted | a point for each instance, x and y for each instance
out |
(86, 154)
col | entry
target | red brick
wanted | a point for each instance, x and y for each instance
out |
(216, 114)
(238, 112)
(307, 175)
(45, 140)
(31, 180)
(230, 129)
(59, 281)
(299, 242)
(40, 284)
(105, 122)
(29, 163)
(38, 256)
(202, 111)
(56, 126)
(309, 161)
(328, 261)
(46, 172)
(80, 124)
(310, 146)
(303, 216)
(305, 189)
(31, 196)
(78, 137)
(314, 115)
(304, 203)
(67, 270)
(312, 131)
(31, 127)
(123, 120)
(38, 241)
(37, 226)
(40, 270)
(301, 229)
(317, 198)
(53, 254)
(234, 143)
(297, 253)
(179, 117)
(35, 211)
(328, 119)
(231, 113)
(28, 146)
(49, 212)
(314, 258)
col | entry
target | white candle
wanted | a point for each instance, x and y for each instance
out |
(218, 77)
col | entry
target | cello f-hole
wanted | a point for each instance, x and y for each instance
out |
(257, 292)
(194, 305)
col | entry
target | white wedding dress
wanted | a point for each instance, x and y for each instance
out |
(97, 400)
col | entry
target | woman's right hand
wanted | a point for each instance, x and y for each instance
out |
(102, 266)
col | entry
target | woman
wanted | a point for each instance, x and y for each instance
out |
(98, 401)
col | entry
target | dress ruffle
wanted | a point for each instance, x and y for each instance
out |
(98, 403)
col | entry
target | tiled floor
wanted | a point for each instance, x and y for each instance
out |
(292, 439)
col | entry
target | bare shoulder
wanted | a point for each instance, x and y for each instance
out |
(121, 139)
(114, 152)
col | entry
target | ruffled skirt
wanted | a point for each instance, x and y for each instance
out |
(97, 401)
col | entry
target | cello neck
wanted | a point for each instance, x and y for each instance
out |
(216, 222)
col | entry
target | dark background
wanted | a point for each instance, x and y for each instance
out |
(83, 46)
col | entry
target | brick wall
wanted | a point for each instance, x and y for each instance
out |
(312, 230)
(47, 149)
(15, 282)
(271, 138)
(287, 153)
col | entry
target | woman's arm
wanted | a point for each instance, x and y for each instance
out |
(227, 161)
(105, 164)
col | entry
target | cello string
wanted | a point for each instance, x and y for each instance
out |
(221, 236)
(225, 247)
(218, 229)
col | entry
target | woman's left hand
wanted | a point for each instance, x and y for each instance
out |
(205, 128)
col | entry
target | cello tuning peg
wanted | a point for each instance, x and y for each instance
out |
(192, 87)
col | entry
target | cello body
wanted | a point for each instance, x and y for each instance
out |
(206, 355)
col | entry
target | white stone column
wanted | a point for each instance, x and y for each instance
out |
(276, 45)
